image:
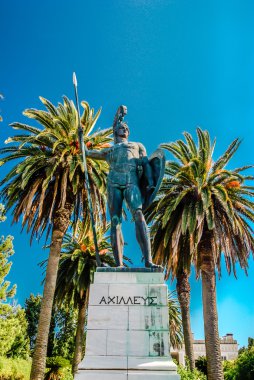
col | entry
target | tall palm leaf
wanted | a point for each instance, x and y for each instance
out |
(203, 213)
(175, 322)
(46, 185)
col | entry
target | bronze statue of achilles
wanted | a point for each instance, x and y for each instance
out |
(131, 178)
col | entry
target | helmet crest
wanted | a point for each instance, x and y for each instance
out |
(119, 119)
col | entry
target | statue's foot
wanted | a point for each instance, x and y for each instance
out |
(150, 264)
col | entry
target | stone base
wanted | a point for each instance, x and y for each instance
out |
(124, 375)
(151, 375)
(147, 363)
(127, 327)
(125, 368)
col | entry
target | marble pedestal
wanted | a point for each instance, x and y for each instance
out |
(128, 327)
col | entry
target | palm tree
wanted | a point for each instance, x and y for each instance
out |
(47, 184)
(203, 212)
(179, 269)
(76, 273)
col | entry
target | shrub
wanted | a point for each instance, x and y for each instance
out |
(14, 369)
(201, 364)
(187, 374)
(229, 369)
(245, 365)
(241, 368)
(58, 368)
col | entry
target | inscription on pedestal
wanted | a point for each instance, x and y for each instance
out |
(135, 300)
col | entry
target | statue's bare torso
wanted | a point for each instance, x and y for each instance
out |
(125, 163)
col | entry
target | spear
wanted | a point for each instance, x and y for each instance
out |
(87, 183)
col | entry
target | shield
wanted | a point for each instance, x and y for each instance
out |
(157, 162)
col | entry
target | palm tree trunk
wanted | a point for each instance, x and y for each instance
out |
(78, 353)
(51, 338)
(183, 292)
(60, 225)
(212, 340)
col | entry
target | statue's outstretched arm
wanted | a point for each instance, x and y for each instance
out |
(97, 154)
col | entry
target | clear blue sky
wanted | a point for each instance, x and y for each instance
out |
(176, 64)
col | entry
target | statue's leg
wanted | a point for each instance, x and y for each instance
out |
(142, 235)
(133, 198)
(115, 202)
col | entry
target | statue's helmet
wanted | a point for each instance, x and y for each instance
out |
(119, 125)
(119, 121)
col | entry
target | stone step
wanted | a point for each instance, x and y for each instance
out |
(130, 375)
(101, 375)
(141, 363)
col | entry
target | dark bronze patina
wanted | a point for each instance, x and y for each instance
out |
(132, 178)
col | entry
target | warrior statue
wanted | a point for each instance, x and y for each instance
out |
(133, 178)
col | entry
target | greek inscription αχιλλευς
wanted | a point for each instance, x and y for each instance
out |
(135, 300)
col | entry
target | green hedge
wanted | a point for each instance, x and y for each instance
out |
(19, 369)
(14, 369)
